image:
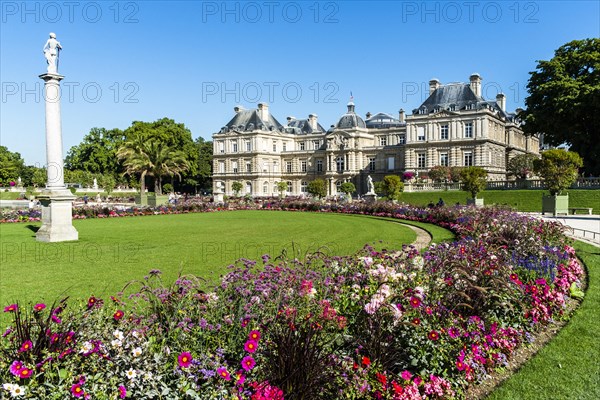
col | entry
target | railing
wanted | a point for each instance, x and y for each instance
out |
(585, 234)
(534, 184)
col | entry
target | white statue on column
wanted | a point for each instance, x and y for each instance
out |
(51, 50)
(370, 185)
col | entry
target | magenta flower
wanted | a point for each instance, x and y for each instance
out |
(25, 373)
(185, 359)
(240, 378)
(122, 392)
(11, 308)
(39, 307)
(415, 302)
(250, 346)
(453, 332)
(77, 390)
(15, 367)
(254, 335)
(406, 375)
(56, 319)
(26, 346)
(248, 363)
(222, 372)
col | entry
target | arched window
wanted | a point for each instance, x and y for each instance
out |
(248, 187)
(266, 188)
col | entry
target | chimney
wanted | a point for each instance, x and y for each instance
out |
(433, 85)
(263, 111)
(475, 80)
(501, 100)
(368, 115)
(290, 119)
(401, 115)
(312, 121)
(238, 109)
(519, 110)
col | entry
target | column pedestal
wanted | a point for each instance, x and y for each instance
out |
(57, 219)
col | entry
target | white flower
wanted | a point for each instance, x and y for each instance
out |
(136, 334)
(368, 261)
(136, 352)
(311, 293)
(86, 347)
(116, 343)
(212, 297)
(7, 386)
(118, 334)
(131, 374)
(148, 376)
(17, 391)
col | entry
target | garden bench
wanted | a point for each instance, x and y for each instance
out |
(575, 209)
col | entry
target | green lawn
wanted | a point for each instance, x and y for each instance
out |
(523, 200)
(569, 366)
(112, 252)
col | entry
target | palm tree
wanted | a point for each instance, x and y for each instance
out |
(153, 158)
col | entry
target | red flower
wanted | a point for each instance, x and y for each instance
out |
(382, 379)
(433, 335)
(397, 388)
(415, 302)
(118, 315)
(366, 361)
(250, 346)
(416, 321)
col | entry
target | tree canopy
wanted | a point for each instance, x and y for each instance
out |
(564, 100)
(521, 166)
(558, 168)
(392, 186)
(474, 180)
(317, 188)
(11, 165)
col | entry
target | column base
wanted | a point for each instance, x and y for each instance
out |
(57, 217)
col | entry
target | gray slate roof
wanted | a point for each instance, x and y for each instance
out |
(249, 120)
(383, 120)
(302, 127)
(350, 119)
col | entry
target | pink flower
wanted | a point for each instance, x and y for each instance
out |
(39, 307)
(26, 346)
(406, 375)
(56, 319)
(77, 390)
(122, 392)
(240, 378)
(11, 308)
(25, 373)
(118, 315)
(248, 363)
(254, 335)
(185, 359)
(250, 346)
(415, 302)
(15, 367)
(222, 372)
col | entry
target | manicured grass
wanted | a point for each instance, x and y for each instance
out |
(112, 252)
(9, 195)
(569, 366)
(523, 200)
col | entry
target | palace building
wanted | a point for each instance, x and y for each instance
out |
(455, 126)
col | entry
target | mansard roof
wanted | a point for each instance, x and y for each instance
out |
(350, 119)
(250, 120)
(302, 127)
(383, 120)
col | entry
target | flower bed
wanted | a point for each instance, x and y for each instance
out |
(383, 325)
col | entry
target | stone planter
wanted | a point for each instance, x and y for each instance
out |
(141, 200)
(475, 202)
(159, 200)
(555, 204)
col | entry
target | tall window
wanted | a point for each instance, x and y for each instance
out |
(420, 133)
(391, 163)
(234, 146)
(444, 161)
(274, 146)
(468, 155)
(248, 145)
(248, 166)
(401, 139)
(221, 146)
(234, 166)
(340, 164)
(421, 160)
(444, 132)
(316, 144)
(289, 187)
(221, 167)
(303, 165)
(302, 146)
(288, 167)
(304, 186)
(266, 188)
(275, 166)
(469, 130)
(383, 140)
(371, 163)
(319, 165)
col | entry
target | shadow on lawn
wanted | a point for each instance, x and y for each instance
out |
(32, 228)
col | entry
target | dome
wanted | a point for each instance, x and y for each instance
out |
(351, 119)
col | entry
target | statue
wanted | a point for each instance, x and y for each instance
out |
(51, 50)
(95, 184)
(370, 185)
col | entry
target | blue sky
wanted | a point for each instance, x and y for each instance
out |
(194, 61)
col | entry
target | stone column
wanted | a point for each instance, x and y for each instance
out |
(56, 199)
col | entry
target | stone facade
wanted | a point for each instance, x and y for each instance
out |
(455, 126)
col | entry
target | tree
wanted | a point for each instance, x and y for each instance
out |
(558, 168)
(521, 166)
(11, 165)
(564, 100)
(236, 187)
(392, 186)
(282, 187)
(474, 180)
(440, 173)
(455, 174)
(39, 177)
(317, 188)
(348, 188)
(97, 153)
(107, 182)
